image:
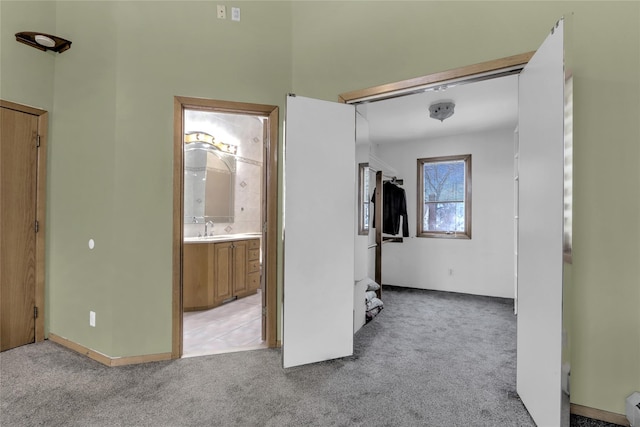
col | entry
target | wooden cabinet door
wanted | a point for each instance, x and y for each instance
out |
(240, 253)
(196, 277)
(223, 273)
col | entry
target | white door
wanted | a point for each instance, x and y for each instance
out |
(319, 230)
(541, 139)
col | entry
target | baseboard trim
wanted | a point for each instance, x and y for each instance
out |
(103, 358)
(599, 414)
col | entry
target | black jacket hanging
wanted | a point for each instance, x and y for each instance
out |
(394, 207)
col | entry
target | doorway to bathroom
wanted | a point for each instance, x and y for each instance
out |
(225, 206)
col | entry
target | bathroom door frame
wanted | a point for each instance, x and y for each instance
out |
(269, 208)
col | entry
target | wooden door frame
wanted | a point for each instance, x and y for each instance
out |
(270, 216)
(489, 69)
(41, 197)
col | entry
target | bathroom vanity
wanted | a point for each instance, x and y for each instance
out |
(219, 269)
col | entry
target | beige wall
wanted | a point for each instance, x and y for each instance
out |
(111, 100)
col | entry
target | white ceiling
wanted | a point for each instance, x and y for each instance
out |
(480, 106)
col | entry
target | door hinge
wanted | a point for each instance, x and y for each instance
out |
(37, 141)
(35, 312)
(37, 226)
(264, 227)
(264, 311)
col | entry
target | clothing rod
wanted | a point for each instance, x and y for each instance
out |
(383, 174)
(395, 180)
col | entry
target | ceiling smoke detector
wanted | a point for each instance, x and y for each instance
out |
(441, 110)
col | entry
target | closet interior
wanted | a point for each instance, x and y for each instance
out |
(392, 136)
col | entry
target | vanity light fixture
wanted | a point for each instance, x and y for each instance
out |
(204, 137)
(43, 41)
(441, 110)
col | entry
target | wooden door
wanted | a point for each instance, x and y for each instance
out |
(222, 271)
(18, 177)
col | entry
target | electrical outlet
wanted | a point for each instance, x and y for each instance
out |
(222, 11)
(92, 318)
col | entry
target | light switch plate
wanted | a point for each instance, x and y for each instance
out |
(235, 14)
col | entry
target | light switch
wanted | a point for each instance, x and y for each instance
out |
(235, 14)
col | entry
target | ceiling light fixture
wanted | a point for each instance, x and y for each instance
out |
(43, 41)
(204, 137)
(441, 110)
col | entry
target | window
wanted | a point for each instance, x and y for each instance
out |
(363, 198)
(444, 197)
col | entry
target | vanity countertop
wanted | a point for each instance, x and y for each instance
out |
(222, 238)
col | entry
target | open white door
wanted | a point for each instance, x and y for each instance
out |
(541, 129)
(319, 230)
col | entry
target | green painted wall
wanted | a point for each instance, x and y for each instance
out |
(343, 46)
(111, 145)
(26, 74)
(110, 159)
(82, 195)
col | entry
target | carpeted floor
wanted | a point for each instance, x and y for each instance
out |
(429, 359)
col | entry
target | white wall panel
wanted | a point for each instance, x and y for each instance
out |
(319, 230)
(482, 265)
(541, 171)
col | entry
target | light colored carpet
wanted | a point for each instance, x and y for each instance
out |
(429, 359)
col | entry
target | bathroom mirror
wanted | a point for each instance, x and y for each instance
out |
(209, 180)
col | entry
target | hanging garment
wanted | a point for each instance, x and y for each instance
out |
(394, 207)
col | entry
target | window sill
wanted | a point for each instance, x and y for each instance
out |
(461, 236)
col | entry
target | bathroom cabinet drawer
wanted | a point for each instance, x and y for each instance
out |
(253, 281)
(254, 266)
(254, 254)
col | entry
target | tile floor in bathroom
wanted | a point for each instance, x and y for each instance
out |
(234, 326)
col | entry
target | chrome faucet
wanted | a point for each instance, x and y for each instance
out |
(206, 224)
